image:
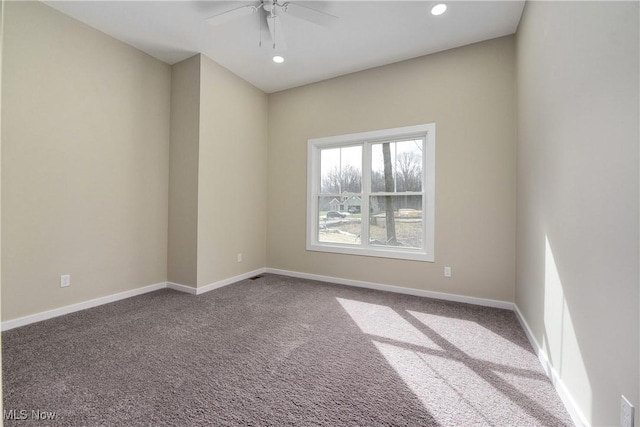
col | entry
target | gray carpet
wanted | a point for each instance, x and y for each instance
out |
(278, 351)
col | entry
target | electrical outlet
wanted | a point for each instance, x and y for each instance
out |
(447, 272)
(65, 280)
(626, 413)
(239, 257)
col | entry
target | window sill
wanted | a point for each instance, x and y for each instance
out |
(400, 254)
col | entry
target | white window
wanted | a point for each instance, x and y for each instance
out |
(372, 193)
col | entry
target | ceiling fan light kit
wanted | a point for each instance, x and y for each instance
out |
(273, 10)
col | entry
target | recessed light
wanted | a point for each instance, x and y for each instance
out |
(438, 9)
(278, 59)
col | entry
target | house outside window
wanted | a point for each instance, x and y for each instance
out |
(372, 193)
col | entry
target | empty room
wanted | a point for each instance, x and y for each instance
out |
(320, 213)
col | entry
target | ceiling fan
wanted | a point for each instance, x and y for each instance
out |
(273, 9)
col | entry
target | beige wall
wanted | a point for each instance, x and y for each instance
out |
(121, 170)
(469, 93)
(88, 189)
(217, 203)
(85, 153)
(232, 175)
(182, 258)
(577, 269)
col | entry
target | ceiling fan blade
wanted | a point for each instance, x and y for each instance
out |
(232, 14)
(308, 14)
(275, 29)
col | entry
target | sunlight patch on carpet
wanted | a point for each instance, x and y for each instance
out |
(384, 322)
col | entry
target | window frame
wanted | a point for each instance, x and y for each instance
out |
(367, 139)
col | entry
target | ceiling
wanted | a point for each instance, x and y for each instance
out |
(365, 35)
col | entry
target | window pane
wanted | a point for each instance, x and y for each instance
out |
(341, 170)
(396, 166)
(339, 219)
(396, 221)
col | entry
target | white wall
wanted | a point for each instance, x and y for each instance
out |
(577, 264)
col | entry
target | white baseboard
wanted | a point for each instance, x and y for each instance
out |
(397, 289)
(33, 318)
(182, 288)
(570, 404)
(229, 281)
(26, 320)
(215, 285)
